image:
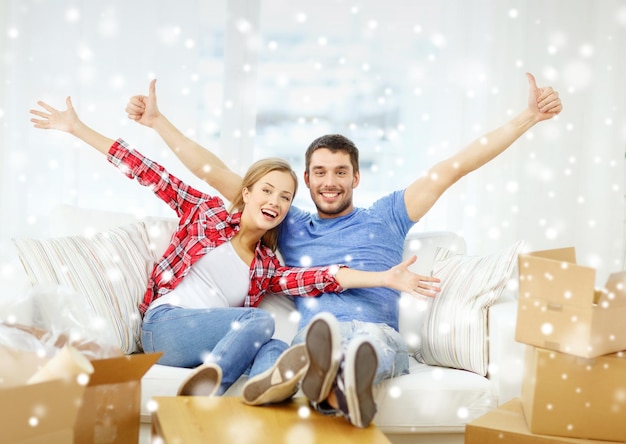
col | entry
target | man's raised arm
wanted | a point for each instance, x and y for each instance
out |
(421, 195)
(200, 161)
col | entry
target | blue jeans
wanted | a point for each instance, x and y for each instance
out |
(237, 339)
(391, 349)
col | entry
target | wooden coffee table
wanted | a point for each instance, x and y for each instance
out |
(226, 419)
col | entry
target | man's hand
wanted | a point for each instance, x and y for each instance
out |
(401, 278)
(544, 102)
(144, 109)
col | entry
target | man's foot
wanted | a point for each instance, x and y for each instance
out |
(204, 380)
(355, 383)
(323, 346)
(280, 382)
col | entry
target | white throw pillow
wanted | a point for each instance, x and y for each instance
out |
(454, 333)
(109, 269)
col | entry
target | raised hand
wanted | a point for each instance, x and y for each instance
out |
(69, 122)
(53, 118)
(144, 109)
(544, 102)
(401, 278)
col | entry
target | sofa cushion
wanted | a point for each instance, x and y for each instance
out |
(109, 269)
(455, 331)
(413, 310)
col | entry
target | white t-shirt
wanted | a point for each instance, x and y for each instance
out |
(218, 279)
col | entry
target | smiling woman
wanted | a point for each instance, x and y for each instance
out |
(268, 190)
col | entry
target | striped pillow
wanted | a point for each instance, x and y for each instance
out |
(454, 333)
(109, 269)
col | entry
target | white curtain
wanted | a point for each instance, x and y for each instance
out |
(410, 81)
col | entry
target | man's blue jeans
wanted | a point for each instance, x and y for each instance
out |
(237, 339)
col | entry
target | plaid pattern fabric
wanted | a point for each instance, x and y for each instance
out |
(204, 225)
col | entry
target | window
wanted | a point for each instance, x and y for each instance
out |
(337, 68)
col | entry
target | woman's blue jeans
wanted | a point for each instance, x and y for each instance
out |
(237, 339)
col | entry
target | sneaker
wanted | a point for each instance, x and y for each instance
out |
(355, 383)
(323, 346)
(204, 380)
(280, 382)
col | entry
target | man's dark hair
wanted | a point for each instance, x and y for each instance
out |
(334, 143)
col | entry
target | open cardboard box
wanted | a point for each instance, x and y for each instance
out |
(565, 395)
(106, 409)
(112, 400)
(560, 309)
(507, 425)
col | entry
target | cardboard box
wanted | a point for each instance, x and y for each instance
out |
(106, 410)
(112, 400)
(566, 395)
(560, 309)
(40, 413)
(507, 425)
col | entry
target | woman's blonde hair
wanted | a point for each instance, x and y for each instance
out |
(256, 171)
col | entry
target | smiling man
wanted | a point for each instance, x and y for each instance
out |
(332, 172)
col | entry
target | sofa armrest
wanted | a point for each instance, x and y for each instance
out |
(506, 356)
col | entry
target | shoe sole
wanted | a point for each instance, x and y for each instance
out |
(323, 346)
(359, 373)
(205, 380)
(280, 382)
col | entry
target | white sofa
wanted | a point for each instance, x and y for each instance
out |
(431, 404)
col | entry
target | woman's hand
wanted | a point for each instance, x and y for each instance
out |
(544, 102)
(53, 118)
(144, 109)
(69, 122)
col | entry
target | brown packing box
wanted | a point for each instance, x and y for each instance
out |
(507, 425)
(566, 395)
(112, 400)
(107, 409)
(560, 309)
